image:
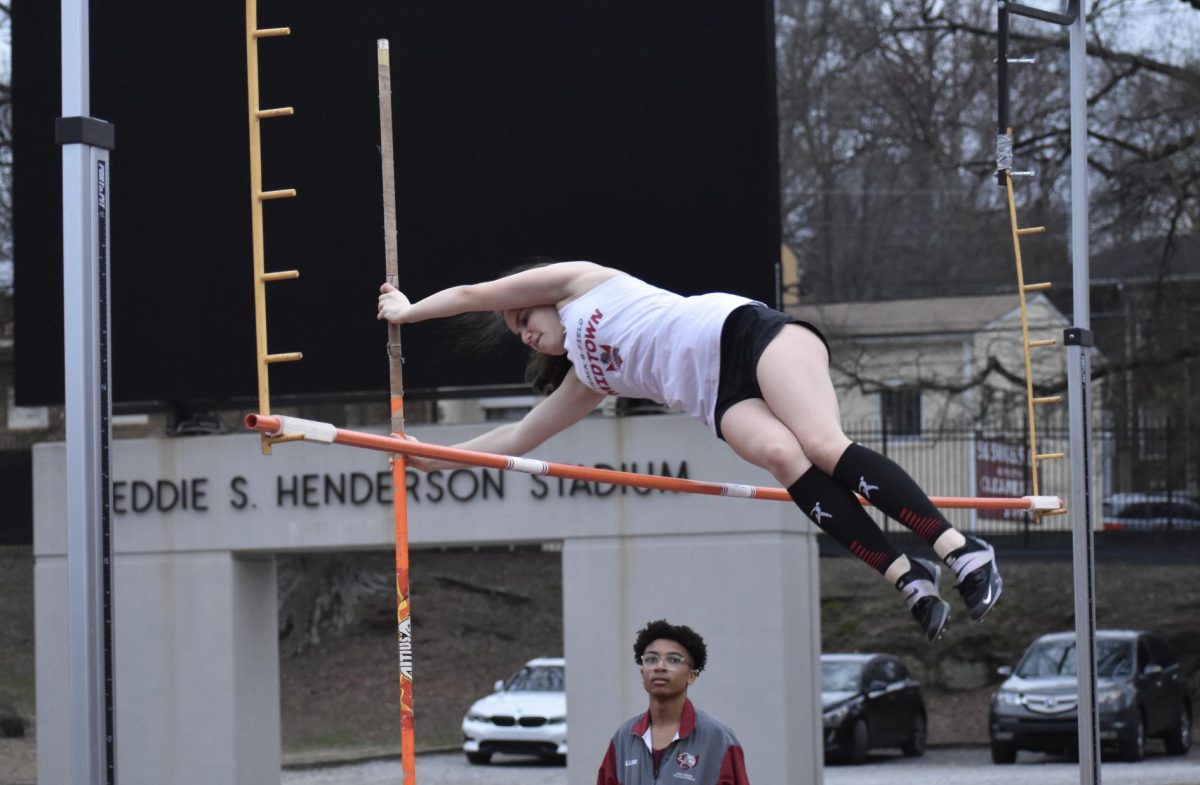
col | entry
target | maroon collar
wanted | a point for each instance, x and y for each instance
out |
(687, 721)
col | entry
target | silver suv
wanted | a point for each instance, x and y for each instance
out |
(1140, 694)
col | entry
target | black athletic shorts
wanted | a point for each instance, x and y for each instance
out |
(744, 336)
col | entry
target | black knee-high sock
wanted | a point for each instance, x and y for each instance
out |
(839, 514)
(889, 488)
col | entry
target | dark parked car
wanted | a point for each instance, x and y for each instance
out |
(1140, 694)
(870, 701)
(1159, 510)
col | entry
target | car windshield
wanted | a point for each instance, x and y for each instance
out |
(542, 678)
(1057, 658)
(840, 676)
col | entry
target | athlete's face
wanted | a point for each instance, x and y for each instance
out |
(671, 671)
(538, 328)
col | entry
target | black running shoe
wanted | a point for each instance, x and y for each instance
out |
(978, 580)
(919, 587)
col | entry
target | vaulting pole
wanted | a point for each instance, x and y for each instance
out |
(396, 386)
(324, 433)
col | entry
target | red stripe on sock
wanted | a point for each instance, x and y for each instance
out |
(874, 559)
(924, 526)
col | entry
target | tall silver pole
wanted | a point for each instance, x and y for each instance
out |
(1079, 342)
(86, 176)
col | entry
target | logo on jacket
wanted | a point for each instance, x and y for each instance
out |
(611, 356)
(686, 760)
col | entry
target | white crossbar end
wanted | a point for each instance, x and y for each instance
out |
(311, 430)
(1045, 502)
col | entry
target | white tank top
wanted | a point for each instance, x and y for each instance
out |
(626, 337)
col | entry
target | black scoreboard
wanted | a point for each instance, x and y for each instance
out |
(638, 134)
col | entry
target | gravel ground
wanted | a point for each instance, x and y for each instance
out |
(18, 761)
(436, 769)
(973, 766)
(946, 766)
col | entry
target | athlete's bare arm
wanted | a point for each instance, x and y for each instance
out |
(564, 407)
(553, 284)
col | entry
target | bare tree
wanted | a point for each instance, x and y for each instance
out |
(885, 119)
(887, 126)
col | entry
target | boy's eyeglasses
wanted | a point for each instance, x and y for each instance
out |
(673, 661)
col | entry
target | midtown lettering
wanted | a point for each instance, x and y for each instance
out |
(358, 489)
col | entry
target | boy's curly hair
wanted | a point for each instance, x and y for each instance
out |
(680, 633)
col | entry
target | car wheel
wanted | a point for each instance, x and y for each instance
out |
(1133, 743)
(915, 746)
(1179, 740)
(1003, 754)
(479, 758)
(860, 741)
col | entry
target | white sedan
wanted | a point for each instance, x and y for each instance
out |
(526, 715)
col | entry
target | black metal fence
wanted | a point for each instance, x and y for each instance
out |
(1152, 455)
(1152, 464)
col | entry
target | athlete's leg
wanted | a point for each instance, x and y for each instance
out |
(757, 435)
(793, 374)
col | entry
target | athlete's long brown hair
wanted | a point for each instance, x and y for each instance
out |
(485, 330)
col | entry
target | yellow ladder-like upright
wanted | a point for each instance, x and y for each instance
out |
(257, 197)
(1031, 401)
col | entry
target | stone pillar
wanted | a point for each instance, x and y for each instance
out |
(197, 669)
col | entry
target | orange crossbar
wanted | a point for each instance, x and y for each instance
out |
(274, 425)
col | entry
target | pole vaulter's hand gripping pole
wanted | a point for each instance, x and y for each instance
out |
(324, 433)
